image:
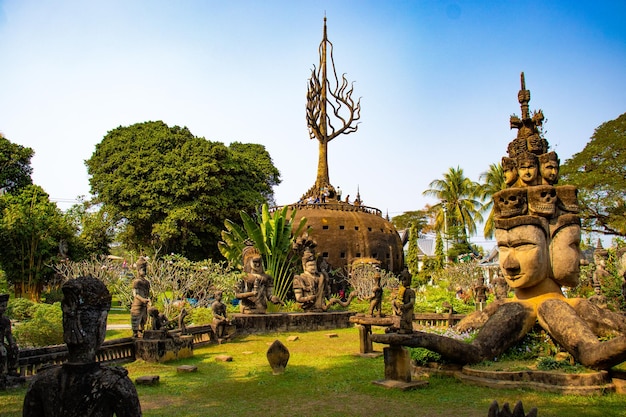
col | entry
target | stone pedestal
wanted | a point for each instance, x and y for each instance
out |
(364, 324)
(159, 346)
(398, 369)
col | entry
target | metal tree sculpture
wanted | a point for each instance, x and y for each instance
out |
(345, 112)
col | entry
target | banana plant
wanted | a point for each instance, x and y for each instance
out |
(273, 235)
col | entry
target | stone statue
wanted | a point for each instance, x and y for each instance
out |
(598, 298)
(81, 386)
(220, 319)
(527, 169)
(141, 299)
(311, 288)
(376, 299)
(480, 291)
(403, 305)
(9, 351)
(255, 288)
(537, 230)
(509, 169)
(500, 287)
(549, 168)
(159, 321)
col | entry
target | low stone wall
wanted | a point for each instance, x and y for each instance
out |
(291, 322)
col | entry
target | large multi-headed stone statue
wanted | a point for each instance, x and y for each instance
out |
(538, 236)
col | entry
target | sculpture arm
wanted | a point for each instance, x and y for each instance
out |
(301, 298)
(140, 297)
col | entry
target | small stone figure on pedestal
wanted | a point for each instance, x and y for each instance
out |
(81, 386)
(480, 293)
(220, 320)
(403, 305)
(141, 299)
(376, 299)
(8, 347)
(598, 298)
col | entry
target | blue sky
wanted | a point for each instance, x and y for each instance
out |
(438, 81)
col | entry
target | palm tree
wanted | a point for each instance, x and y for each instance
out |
(492, 181)
(458, 209)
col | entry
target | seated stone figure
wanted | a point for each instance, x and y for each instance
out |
(311, 288)
(81, 386)
(220, 319)
(8, 347)
(255, 288)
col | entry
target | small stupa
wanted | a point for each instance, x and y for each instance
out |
(345, 231)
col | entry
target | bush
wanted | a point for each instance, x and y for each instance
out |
(201, 315)
(20, 309)
(422, 356)
(45, 328)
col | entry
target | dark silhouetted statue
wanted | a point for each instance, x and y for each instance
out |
(81, 386)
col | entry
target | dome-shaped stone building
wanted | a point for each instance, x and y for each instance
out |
(346, 232)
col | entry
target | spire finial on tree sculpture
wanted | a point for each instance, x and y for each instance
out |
(325, 126)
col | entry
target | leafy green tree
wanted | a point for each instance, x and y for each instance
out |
(458, 209)
(31, 228)
(273, 234)
(599, 173)
(419, 218)
(95, 229)
(412, 255)
(172, 191)
(44, 328)
(440, 257)
(15, 169)
(415, 222)
(492, 181)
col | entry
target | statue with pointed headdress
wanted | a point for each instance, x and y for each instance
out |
(255, 288)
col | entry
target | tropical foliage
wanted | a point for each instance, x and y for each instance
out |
(172, 191)
(31, 228)
(599, 173)
(15, 171)
(458, 209)
(492, 181)
(273, 234)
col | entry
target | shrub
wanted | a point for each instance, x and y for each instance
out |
(20, 309)
(201, 315)
(45, 328)
(422, 356)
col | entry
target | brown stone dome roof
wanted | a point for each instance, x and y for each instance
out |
(346, 232)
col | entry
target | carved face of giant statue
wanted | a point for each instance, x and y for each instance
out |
(565, 255)
(527, 171)
(523, 255)
(549, 171)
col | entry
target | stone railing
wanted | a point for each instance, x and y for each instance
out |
(437, 319)
(111, 351)
(332, 206)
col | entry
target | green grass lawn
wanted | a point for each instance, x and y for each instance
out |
(323, 378)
